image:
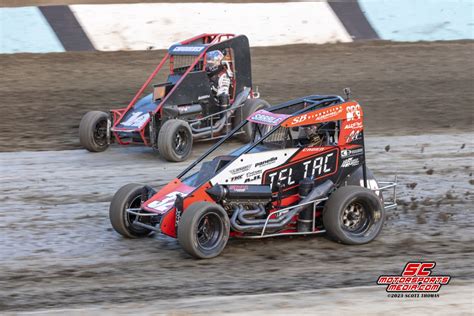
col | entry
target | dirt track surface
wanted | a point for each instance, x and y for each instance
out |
(404, 88)
(58, 248)
(366, 300)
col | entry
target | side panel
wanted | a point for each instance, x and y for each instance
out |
(319, 166)
(248, 168)
(194, 87)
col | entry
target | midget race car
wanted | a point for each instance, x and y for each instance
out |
(304, 172)
(183, 108)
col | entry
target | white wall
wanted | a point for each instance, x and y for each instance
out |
(139, 26)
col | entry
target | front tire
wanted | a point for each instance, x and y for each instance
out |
(128, 196)
(203, 230)
(353, 215)
(175, 140)
(250, 106)
(93, 131)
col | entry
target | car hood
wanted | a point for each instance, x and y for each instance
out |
(138, 115)
(164, 199)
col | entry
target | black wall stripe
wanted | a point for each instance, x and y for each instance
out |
(67, 28)
(353, 19)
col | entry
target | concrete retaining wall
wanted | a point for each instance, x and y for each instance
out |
(416, 20)
(140, 26)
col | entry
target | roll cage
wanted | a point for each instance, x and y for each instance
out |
(185, 72)
(293, 108)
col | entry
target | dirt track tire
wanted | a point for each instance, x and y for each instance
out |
(353, 215)
(250, 106)
(93, 131)
(175, 140)
(128, 196)
(203, 230)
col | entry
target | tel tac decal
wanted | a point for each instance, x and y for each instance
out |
(316, 167)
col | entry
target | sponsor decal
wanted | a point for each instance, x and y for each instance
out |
(314, 149)
(166, 203)
(416, 280)
(318, 116)
(266, 162)
(252, 166)
(354, 135)
(350, 162)
(355, 125)
(253, 175)
(238, 188)
(202, 97)
(267, 118)
(345, 153)
(187, 49)
(136, 119)
(236, 178)
(184, 108)
(253, 178)
(240, 169)
(314, 167)
(353, 112)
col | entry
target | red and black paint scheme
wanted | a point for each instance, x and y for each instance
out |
(280, 183)
(184, 107)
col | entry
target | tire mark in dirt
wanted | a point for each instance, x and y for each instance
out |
(58, 248)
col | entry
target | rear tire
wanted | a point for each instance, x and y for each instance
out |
(128, 196)
(175, 140)
(93, 131)
(203, 230)
(250, 106)
(353, 215)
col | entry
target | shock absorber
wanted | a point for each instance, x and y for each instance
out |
(305, 217)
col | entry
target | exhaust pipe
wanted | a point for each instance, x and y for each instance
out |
(276, 224)
(206, 131)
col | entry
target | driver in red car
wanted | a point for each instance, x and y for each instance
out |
(220, 76)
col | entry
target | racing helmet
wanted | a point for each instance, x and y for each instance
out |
(312, 134)
(213, 60)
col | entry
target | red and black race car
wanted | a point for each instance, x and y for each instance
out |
(183, 106)
(304, 172)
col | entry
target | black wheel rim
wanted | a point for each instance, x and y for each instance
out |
(100, 133)
(209, 230)
(355, 218)
(181, 141)
(135, 203)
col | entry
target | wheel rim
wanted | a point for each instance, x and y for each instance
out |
(209, 230)
(100, 133)
(180, 142)
(130, 218)
(355, 218)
